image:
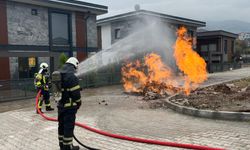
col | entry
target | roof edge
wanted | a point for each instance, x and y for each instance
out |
(217, 32)
(72, 5)
(150, 13)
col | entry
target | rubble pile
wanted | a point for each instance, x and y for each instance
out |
(232, 96)
(156, 90)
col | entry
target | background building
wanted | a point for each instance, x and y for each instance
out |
(244, 36)
(35, 31)
(112, 29)
(216, 47)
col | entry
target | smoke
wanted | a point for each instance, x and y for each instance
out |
(147, 34)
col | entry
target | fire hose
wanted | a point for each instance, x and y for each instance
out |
(134, 139)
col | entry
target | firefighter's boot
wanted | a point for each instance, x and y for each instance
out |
(71, 147)
(48, 108)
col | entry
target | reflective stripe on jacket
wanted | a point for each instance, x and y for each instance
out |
(41, 81)
(71, 89)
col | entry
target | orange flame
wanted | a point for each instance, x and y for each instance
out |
(133, 78)
(155, 76)
(189, 62)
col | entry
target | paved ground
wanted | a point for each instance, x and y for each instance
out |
(127, 115)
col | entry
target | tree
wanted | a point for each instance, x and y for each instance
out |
(241, 46)
(63, 58)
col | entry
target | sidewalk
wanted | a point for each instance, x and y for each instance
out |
(22, 129)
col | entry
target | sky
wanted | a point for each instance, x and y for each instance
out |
(203, 10)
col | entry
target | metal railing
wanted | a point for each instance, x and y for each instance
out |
(16, 89)
(25, 89)
(219, 67)
(100, 79)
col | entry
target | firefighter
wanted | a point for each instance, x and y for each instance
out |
(69, 104)
(42, 82)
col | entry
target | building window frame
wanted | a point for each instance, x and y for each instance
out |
(225, 46)
(69, 47)
(118, 33)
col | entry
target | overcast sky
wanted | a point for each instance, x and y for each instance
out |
(204, 10)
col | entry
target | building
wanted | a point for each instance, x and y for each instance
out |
(216, 47)
(35, 31)
(244, 36)
(114, 28)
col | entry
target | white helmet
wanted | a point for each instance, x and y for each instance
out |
(73, 61)
(44, 65)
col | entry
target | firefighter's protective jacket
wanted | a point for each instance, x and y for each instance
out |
(71, 96)
(42, 80)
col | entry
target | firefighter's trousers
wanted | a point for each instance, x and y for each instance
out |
(44, 97)
(66, 125)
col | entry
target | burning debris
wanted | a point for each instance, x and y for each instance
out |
(154, 79)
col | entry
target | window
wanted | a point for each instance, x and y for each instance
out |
(117, 33)
(212, 48)
(225, 46)
(190, 33)
(60, 29)
(34, 12)
(204, 48)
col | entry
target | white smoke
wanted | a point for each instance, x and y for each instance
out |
(150, 35)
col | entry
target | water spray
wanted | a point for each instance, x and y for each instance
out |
(154, 36)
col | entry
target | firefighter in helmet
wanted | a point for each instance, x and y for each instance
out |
(69, 104)
(42, 82)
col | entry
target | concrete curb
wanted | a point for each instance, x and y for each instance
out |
(223, 115)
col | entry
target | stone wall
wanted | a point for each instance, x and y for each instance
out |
(25, 28)
(14, 74)
(74, 29)
(43, 59)
(92, 31)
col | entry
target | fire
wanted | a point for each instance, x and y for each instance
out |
(152, 75)
(133, 78)
(188, 61)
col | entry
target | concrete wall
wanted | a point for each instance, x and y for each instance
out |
(126, 28)
(106, 36)
(25, 28)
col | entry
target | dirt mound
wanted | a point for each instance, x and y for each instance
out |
(233, 96)
(223, 88)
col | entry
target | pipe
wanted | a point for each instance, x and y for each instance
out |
(134, 139)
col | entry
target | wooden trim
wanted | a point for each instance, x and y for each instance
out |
(81, 35)
(3, 23)
(80, 30)
(5, 68)
(4, 61)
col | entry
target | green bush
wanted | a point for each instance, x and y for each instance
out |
(63, 58)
